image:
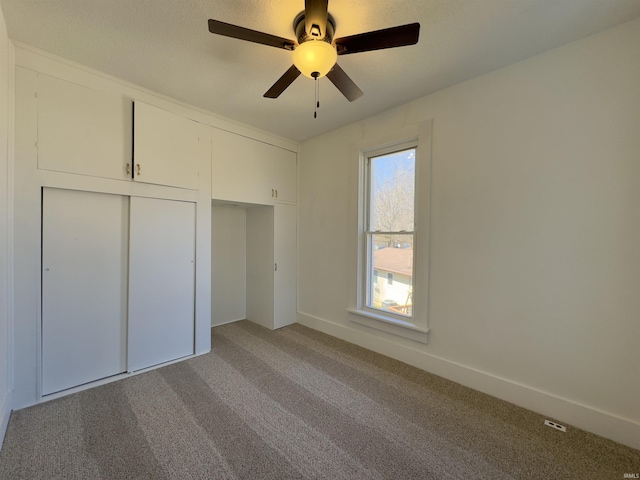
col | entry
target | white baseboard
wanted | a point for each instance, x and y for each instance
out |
(226, 322)
(562, 410)
(5, 413)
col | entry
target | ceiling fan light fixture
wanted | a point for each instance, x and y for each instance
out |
(315, 58)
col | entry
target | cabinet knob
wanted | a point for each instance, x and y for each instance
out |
(276, 193)
(272, 193)
(138, 168)
(128, 169)
(276, 267)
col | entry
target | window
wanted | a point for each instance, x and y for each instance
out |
(391, 256)
(389, 226)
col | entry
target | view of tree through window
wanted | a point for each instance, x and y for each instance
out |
(390, 231)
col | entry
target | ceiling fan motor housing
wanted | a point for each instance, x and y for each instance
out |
(302, 35)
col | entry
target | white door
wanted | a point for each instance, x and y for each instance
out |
(161, 281)
(285, 298)
(84, 287)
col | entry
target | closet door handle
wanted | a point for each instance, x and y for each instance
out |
(276, 269)
(138, 168)
(128, 169)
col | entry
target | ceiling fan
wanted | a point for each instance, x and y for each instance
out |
(315, 52)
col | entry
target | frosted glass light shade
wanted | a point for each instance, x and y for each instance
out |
(314, 56)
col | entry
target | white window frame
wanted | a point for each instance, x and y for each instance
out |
(368, 233)
(416, 327)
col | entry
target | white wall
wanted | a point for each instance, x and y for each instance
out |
(228, 264)
(535, 227)
(260, 265)
(5, 343)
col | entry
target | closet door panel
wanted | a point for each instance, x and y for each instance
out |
(84, 287)
(285, 277)
(162, 281)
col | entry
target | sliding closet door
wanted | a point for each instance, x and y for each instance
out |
(161, 281)
(84, 287)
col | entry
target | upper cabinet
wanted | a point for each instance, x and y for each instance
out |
(83, 131)
(89, 132)
(250, 171)
(284, 175)
(167, 148)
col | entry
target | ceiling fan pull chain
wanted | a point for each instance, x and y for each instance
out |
(317, 99)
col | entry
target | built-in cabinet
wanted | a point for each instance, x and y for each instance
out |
(113, 189)
(117, 285)
(118, 277)
(271, 265)
(250, 171)
(261, 178)
(90, 132)
(260, 240)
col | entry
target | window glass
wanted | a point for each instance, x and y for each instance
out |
(392, 191)
(390, 231)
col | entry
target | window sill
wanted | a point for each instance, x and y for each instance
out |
(389, 324)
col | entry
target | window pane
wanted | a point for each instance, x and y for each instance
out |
(391, 273)
(392, 186)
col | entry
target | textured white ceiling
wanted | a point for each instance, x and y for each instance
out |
(165, 45)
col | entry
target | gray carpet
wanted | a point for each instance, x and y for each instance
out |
(295, 404)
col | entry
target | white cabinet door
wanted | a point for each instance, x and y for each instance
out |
(162, 281)
(239, 171)
(168, 149)
(84, 287)
(249, 171)
(81, 130)
(285, 276)
(285, 176)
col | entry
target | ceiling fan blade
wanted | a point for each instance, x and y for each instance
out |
(379, 39)
(283, 82)
(343, 83)
(315, 18)
(233, 31)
